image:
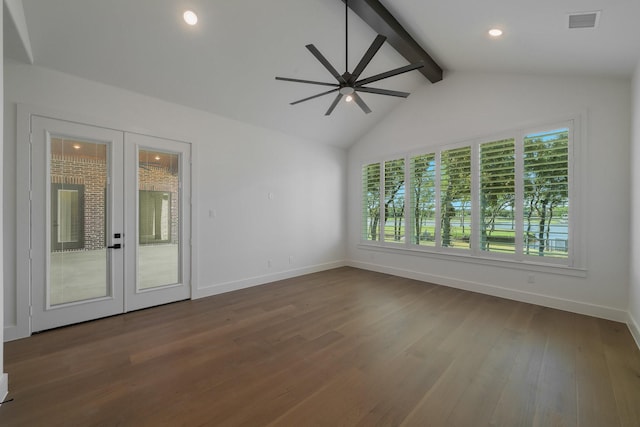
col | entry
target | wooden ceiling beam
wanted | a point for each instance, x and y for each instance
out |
(383, 22)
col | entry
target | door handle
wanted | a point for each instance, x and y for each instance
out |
(116, 246)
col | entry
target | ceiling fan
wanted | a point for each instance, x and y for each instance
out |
(348, 84)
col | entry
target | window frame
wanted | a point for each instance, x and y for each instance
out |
(573, 264)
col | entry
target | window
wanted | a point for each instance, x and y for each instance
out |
(497, 196)
(455, 197)
(394, 201)
(503, 197)
(154, 216)
(546, 194)
(370, 201)
(423, 199)
(67, 216)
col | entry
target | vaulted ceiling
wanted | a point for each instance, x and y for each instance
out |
(226, 64)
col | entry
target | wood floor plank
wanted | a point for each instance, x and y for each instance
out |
(623, 362)
(596, 399)
(516, 405)
(344, 347)
(556, 397)
(448, 395)
(479, 400)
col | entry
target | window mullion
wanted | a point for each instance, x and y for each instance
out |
(437, 230)
(408, 220)
(381, 213)
(519, 197)
(475, 198)
(574, 238)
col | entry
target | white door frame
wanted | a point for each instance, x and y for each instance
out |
(22, 326)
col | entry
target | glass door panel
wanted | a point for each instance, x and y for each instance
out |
(76, 207)
(157, 195)
(78, 257)
(158, 219)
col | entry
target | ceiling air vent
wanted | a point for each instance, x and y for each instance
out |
(584, 19)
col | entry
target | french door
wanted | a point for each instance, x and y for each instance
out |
(110, 222)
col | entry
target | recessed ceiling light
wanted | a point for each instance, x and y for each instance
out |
(495, 32)
(190, 17)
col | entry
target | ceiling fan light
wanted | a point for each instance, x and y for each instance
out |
(349, 98)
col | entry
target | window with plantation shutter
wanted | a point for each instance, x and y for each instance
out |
(546, 194)
(503, 198)
(394, 223)
(423, 199)
(455, 197)
(370, 201)
(497, 196)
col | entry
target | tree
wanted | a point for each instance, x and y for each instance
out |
(423, 192)
(394, 195)
(455, 187)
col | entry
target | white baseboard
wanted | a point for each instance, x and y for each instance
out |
(221, 288)
(4, 387)
(603, 312)
(15, 332)
(634, 329)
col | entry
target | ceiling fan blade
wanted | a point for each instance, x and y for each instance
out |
(314, 96)
(383, 91)
(326, 63)
(334, 104)
(368, 56)
(391, 73)
(361, 103)
(311, 82)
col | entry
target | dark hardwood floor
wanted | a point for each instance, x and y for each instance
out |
(344, 347)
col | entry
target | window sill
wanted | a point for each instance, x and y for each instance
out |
(474, 259)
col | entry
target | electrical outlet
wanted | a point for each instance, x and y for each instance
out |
(531, 278)
(291, 259)
(269, 263)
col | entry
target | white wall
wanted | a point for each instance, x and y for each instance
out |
(3, 377)
(237, 167)
(634, 289)
(468, 105)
